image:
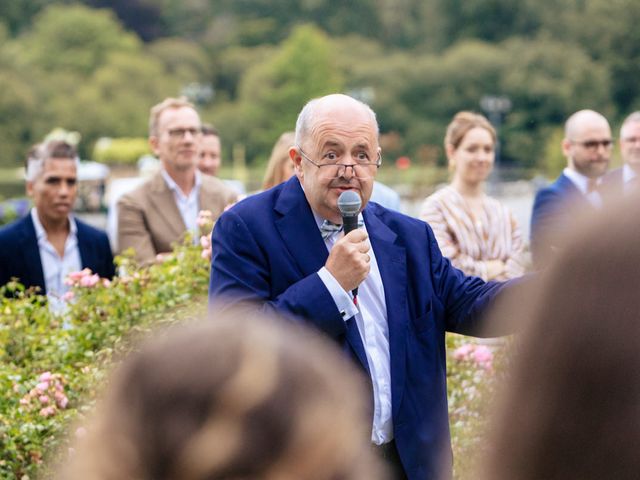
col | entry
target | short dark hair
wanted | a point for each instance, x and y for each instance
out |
(208, 129)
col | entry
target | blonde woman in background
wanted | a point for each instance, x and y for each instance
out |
(476, 232)
(280, 166)
(239, 396)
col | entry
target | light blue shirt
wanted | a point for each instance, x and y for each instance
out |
(582, 184)
(371, 319)
(187, 204)
(54, 267)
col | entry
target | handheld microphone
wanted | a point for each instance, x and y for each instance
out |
(349, 204)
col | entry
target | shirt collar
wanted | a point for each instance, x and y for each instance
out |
(319, 220)
(42, 233)
(579, 180)
(173, 186)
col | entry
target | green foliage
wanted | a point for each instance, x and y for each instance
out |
(416, 61)
(75, 39)
(554, 160)
(65, 357)
(77, 346)
(120, 151)
(474, 373)
(273, 92)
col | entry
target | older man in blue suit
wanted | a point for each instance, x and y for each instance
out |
(587, 145)
(282, 249)
(41, 249)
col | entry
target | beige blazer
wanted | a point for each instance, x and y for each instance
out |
(149, 219)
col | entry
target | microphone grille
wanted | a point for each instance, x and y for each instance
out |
(349, 203)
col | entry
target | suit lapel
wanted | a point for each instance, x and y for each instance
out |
(163, 201)
(298, 229)
(392, 263)
(87, 255)
(301, 235)
(31, 254)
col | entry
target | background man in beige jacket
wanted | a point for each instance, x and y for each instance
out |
(161, 210)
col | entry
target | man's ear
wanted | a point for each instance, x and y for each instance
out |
(153, 144)
(566, 147)
(296, 158)
(29, 188)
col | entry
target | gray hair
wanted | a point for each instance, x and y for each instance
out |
(309, 112)
(631, 118)
(41, 152)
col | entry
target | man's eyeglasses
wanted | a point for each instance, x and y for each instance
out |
(631, 140)
(594, 144)
(363, 168)
(181, 132)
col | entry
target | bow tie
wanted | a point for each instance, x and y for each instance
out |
(327, 229)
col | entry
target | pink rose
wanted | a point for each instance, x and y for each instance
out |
(482, 355)
(68, 296)
(43, 399)
(42, 387)
(463, 352)
(106, 282)
(61, 400)
(89, 280)
(45, 377)
(48, 411)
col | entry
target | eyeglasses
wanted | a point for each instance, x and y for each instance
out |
(631, 140)
(363, 169)
(594, 144)
(181, 132)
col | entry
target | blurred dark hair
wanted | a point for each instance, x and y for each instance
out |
(572, 408)
(208, 129)
(233, 397)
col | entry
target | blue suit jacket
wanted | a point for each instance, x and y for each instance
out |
(20, 254)
(554, 212)
(268, 248)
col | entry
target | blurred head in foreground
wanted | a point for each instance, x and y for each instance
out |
(572, 409)
(230, 398)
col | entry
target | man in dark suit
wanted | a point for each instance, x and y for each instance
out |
(626, 180)
(42, 248)
(587, 145)
(281, 249)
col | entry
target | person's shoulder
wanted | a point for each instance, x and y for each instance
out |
(554, 188)
(214, 183)
(141, 191)
(11, 230)
(393, 218)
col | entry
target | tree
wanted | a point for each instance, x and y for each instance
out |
(75, 39)
(274, 91)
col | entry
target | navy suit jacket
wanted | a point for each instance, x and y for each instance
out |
(553, 212)
(20, 254)
(268, 249)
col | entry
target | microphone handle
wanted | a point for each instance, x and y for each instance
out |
(350, 223)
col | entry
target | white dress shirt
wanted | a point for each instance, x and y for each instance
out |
(187, 204)
(371, 319)
(54, 267)
(582, 183)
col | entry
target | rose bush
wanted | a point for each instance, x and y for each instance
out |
(53, 365)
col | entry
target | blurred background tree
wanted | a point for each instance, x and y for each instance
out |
(96, 66)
